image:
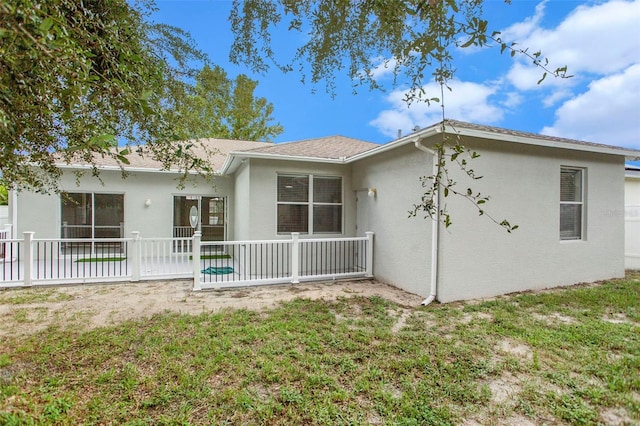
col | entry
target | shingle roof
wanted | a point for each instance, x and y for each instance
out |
(332, 147)
(216, 150)
(461, 124)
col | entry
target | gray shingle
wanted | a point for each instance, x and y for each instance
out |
(333, 147)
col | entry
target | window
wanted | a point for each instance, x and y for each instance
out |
(309, 204)
(571, 203)
(89, 215)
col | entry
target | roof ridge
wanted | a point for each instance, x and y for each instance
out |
(326, 137)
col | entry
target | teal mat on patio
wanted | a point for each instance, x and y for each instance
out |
(213, 270)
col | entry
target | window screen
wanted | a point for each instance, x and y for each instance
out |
(571, 204)
(301, 197)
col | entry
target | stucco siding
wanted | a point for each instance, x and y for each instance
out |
(41, 213)
(480, 259)
(242, 203)
(632, 220)
(402, 245)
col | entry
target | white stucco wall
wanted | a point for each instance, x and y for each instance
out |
(41, 213)
(402, 245)
(263, 195)
(632, 219)
(242, 202)
(480, 259)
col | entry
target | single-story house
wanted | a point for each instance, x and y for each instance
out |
(563, 195)
(632, 216)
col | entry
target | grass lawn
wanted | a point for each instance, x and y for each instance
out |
(568, 356)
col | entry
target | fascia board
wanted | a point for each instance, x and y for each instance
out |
(629, 154)
(126, 169)
(232, 156)
(412, 138)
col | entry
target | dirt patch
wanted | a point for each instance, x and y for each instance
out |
(618, 319)
(97, 305)
(517, 349)
(504, 389)
(401, 321)
(555, 318)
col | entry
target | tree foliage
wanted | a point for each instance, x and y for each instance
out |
(77, 76)
(416, 39)
(220, 107)
(4, 196)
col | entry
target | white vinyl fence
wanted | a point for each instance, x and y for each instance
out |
(220, 264)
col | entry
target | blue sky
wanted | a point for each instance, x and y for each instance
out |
(598, 40)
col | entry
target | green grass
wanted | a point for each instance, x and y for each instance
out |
(100, 259)
(36, 295)
(569, 356)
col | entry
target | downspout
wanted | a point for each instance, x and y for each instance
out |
(435, 226)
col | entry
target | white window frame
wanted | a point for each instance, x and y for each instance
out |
(581, 203)
(93, 211)
(310, 204)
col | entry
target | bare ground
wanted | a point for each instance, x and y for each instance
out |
(28, 310)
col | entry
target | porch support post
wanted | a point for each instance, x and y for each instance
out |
(295, 258)
(135, 254)
(195, 255)
(28, 258)
(369, 254)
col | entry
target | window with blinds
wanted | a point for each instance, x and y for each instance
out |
(571, 203)
(309, 204)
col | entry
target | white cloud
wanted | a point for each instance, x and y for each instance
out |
(598, 39)
(384, 68)
(555, 97)
(522, 30)
(609, 112)
(467, 102)
(513, 100)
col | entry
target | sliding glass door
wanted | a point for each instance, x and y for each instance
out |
(87, 215)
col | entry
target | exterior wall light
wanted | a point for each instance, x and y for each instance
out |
(372, 192)
(147, 202)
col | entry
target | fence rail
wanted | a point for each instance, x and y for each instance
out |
(211, 264)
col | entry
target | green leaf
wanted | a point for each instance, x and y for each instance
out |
(46, 24)
(468, 43)
(543, 77)
(123, 159)
(102, 140)
(146, 95)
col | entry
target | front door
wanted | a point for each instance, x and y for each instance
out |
(211, 217)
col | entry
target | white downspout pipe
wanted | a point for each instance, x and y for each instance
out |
(435, 226)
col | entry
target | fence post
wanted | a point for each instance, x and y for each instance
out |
(195, 254)
(28, 258)
(295, 258)
(8, 235)
(135, 254)
(369, 254)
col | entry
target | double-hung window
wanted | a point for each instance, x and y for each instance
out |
(309, 204)
(571, 203)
